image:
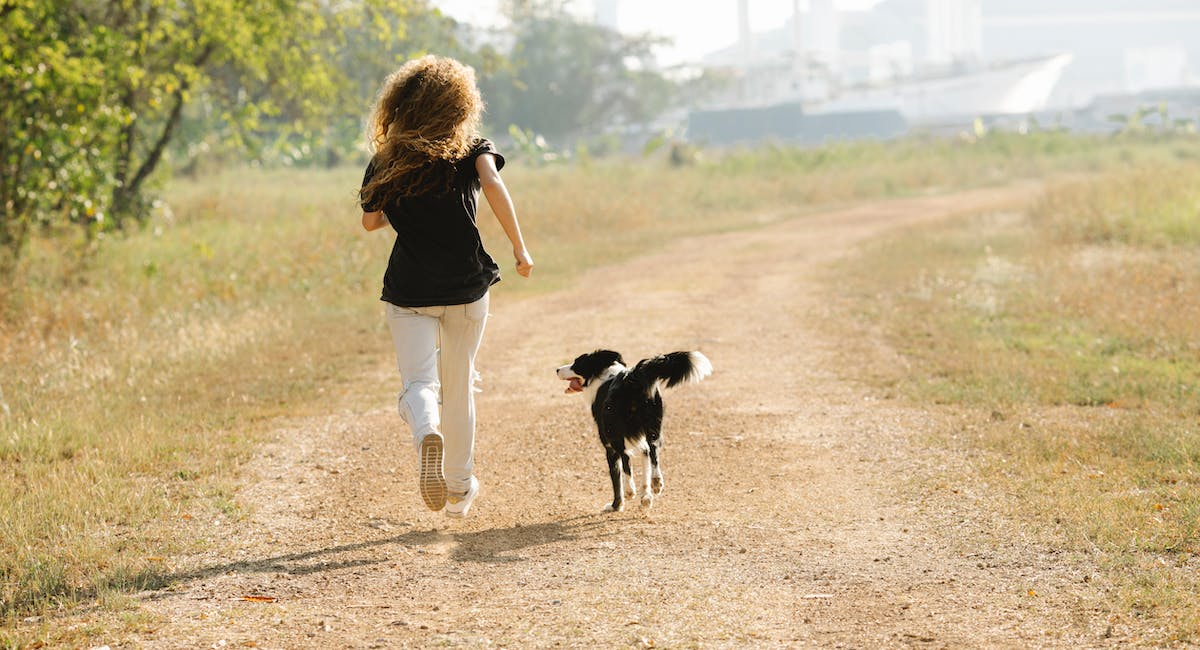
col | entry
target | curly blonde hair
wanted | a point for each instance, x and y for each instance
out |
(425, 119)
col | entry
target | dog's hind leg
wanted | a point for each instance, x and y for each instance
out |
(655, 482)
(630, 490)
(647, 497)
(614, 472)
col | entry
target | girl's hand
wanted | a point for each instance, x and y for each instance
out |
(524, 262)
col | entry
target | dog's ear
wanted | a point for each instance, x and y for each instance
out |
(609, 357)
(593, 363)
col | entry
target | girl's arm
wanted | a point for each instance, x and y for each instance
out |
(374, 220)
(502, 205)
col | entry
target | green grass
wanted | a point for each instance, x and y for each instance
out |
(1070, 332)
(137, 379)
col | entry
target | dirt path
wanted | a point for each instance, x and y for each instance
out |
(791, 516)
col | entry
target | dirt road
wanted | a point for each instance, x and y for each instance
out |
(794, 514)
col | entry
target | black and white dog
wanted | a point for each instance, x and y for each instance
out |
(628, 410)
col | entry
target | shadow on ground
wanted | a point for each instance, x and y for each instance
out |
(492, 546)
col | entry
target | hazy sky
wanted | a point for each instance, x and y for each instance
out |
(696, 28)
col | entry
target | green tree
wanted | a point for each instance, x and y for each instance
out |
(94, 91)
(57, 119)
(248, 63)
(369, 42)
(567, 77)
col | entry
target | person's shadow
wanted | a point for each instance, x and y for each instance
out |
(496, 546)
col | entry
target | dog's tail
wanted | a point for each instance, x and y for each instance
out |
(670, 370)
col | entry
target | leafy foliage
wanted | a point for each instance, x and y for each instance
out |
(94, 92)
(567, 76)
(57, 120)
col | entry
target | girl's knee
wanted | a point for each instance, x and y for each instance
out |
(418, 402)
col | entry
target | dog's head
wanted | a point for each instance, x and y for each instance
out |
(587, 367)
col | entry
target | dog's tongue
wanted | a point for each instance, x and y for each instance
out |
(576, 386)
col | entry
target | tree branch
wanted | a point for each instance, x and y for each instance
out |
(160, 145)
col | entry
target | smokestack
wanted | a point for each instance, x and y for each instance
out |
(955, 30)
(825, 35)
(745, 36)
(797, 30)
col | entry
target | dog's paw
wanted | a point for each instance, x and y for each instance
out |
(613, 507)
(656, 484)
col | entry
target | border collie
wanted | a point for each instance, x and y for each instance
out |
(628, 410)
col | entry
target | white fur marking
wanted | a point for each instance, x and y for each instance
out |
(647, 494)
(628, 487)
(701, 366)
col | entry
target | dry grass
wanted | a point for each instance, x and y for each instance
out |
(135, 384)
(1071, 332)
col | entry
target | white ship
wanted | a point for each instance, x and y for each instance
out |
(998, 89)
(950, 85)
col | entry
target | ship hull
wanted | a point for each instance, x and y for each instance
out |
(1016, 88)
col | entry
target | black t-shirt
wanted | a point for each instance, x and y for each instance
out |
(438, 257)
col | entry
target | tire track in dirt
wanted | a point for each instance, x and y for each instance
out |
(790, 517)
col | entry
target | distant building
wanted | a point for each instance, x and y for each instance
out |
(863, 64)
(1156, 68)
(1118, 46)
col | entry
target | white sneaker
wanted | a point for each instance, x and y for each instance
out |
(432, 483)
(457, 505)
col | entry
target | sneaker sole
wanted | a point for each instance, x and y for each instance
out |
(432, 482)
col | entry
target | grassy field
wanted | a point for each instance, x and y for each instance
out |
(137, 379)
(1071, 333)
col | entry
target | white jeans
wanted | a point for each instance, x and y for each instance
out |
(421, 335)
